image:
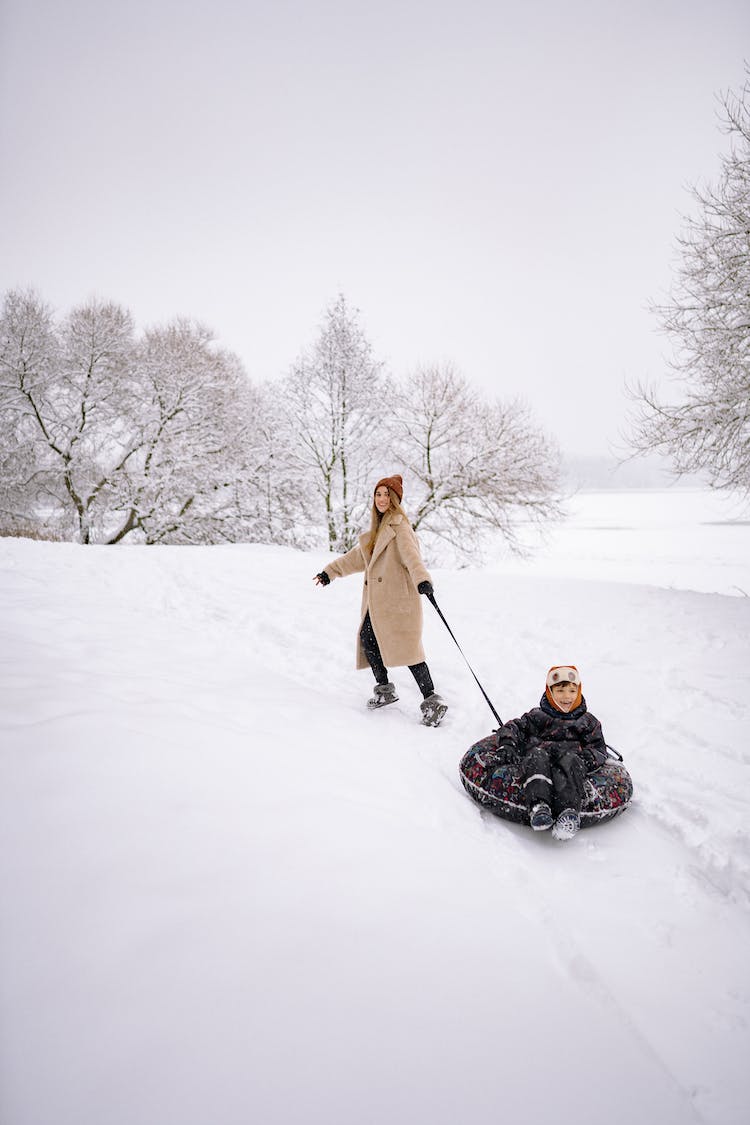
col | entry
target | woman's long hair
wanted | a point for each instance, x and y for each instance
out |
(376, 519)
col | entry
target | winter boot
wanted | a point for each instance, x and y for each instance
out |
(566, 825)
(384, 694)
(433, 708)
(540, 817)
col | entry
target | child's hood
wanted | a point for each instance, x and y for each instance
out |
(563, 674)
(549, 707)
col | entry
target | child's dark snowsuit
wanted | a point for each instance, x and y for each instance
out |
(554, 752)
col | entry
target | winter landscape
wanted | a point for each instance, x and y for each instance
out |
(233, 895)
(258, 257)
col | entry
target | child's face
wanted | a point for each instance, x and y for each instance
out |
(564, 695)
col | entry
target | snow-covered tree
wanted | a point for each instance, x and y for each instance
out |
(708, 320)
(105, 436)
(64, 393)
(194, 428)
(279, 507)
(472, 466)
(27, 348)
(337, 403)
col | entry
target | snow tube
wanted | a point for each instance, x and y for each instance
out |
(609, 788)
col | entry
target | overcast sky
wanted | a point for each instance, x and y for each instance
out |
(493, 184)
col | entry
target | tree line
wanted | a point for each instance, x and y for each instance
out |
(109, 435)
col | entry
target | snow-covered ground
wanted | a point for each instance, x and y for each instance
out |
(230, 894)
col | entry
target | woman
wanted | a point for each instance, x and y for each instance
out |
(390, 630)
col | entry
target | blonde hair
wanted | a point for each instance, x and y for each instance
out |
(376, 519)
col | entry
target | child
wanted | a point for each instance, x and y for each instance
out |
(555, 745)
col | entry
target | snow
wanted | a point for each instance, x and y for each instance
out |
(231, 894)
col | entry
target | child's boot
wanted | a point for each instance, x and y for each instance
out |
(540, 817)
(566, 825)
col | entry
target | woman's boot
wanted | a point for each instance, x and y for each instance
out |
(383, 695)
(433, 708)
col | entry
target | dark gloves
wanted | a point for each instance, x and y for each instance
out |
(322, 579)
(592, 759)
(426, 588)
(506, 753)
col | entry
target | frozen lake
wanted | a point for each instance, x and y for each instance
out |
(678, 538)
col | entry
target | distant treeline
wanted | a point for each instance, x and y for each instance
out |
(108, 435)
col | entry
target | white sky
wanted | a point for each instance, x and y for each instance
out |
(493, 185)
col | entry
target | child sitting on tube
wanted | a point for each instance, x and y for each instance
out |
(555, 745)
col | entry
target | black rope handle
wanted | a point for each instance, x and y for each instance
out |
(484, 693)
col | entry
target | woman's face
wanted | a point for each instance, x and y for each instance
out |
(382, 499)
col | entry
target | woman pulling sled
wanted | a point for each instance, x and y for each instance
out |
(390, 631)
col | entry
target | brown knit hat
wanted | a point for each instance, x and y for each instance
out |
(394, 483)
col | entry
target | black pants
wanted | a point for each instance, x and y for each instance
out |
(553, 773)
(420, 672)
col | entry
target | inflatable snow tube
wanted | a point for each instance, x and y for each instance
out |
(609, 788)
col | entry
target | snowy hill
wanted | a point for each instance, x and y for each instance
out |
(233, 895)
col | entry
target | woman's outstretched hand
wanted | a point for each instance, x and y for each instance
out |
(321, 579)
(426, 589)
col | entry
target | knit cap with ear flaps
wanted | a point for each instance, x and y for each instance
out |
(563, 674)
(394, 483)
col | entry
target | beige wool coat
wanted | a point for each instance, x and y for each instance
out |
(392, 574)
